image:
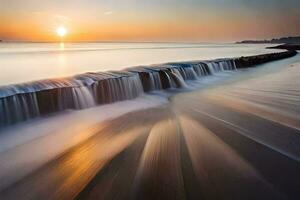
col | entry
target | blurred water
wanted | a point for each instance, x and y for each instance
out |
(23, 62)
(237, 138)
(231, 135)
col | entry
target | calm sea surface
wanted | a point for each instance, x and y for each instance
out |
(22, 62)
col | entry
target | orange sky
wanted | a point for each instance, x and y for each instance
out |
(92, 21)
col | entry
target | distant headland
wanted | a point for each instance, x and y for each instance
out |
(283, 40)
(288, 43)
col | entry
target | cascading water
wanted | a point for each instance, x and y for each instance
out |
(201, 69)
(83, 98)
(24, 101)
(155, 81)
(178, 79)
(220, 65)
(190, 73)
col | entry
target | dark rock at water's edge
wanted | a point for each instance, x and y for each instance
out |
(291, 47)
(289, 40)
(21, 102)
(250, 61)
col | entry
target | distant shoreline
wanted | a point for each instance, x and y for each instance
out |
(287, 43)
(283, 40)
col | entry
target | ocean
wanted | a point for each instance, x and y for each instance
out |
(204, 124)
(24, 62)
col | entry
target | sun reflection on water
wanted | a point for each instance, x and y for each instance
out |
(61, 46)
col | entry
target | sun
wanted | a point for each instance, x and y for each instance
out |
(61, 31)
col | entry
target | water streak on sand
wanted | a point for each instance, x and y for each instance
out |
(237, 139)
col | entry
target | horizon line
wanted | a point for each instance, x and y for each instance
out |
(143, 41)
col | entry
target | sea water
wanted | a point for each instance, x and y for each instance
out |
(23, 62)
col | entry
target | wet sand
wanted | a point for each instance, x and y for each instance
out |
(235, 141)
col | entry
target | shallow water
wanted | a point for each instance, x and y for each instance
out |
(234, 135)
(23, 62)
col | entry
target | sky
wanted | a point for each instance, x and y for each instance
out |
(149, 20)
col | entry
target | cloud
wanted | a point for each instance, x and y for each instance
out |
(56, 17)
(61, 17)
(108, 12)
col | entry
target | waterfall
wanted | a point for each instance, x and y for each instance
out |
(166, 80)
(234, 65)
(83, 98)
(211, 68)
(201, 69)
(18, 108)
(221, 65)
(157, 82)
(190, 72)
(227, 65)
(178, 80)
(116, 89)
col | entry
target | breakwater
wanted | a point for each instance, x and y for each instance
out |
(21, 102)
(250, 61)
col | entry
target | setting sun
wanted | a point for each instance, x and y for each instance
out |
(61, 31)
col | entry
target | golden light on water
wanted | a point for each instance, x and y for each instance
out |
(61, 46)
